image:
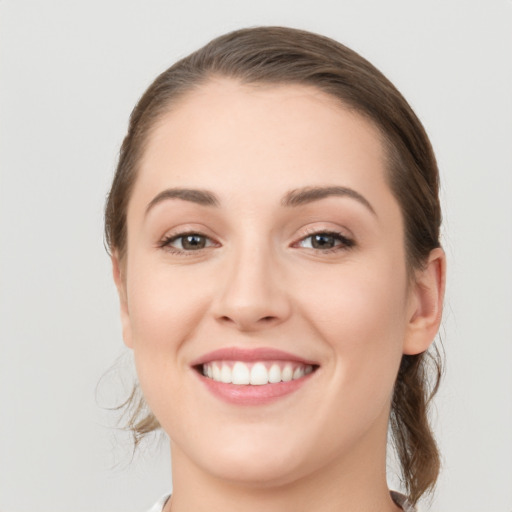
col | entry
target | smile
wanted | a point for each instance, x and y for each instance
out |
(257, 373)
(256, 376)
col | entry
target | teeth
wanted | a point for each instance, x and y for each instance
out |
(240, 374)
(298, 373)
(216, 373)
(225, 374)
(255, 374)
(259, 375)
(274, 374)
(287, 374)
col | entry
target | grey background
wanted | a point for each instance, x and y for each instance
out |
(70, 72)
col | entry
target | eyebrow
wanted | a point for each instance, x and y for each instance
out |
(293, 198)
(300, 196)
(202, 197)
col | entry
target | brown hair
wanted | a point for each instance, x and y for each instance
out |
(283, 55)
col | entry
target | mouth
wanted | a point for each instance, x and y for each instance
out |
(253, 377)
(259, 373)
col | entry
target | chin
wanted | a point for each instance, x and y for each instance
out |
(253, 464)
(260, 473)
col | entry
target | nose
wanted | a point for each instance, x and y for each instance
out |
(253, 294)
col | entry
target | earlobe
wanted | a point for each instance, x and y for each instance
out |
(426, 304)
(118, 273)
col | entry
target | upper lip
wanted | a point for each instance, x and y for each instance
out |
(249, 355)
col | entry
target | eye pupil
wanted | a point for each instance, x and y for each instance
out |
(323, 241)
(192, 242)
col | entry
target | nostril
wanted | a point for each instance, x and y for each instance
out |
(265, 319)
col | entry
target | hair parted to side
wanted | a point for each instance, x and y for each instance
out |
(278, 55)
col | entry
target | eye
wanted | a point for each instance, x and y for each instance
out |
(326, 241)
(186, 242)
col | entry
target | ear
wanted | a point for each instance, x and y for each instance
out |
(426, 304)
(119, 273)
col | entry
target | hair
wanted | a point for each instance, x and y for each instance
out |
(278, 55)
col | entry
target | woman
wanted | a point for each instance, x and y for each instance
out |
(274, 231)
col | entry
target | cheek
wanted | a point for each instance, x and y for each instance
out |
(363, 301)
(163, 303)
(165, 309)
(361, 315)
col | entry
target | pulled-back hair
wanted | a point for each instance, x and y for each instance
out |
(277, 55)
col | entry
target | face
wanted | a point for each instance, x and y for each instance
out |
(264, 291)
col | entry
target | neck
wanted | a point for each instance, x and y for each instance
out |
(354, 482)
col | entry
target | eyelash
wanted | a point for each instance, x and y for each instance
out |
(166, 242)
(344, 244)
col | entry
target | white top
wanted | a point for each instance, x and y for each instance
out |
(159, 505)
(398, 498)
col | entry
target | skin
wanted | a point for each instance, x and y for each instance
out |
(259, 282)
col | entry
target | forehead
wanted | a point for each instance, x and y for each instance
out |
(257, 138)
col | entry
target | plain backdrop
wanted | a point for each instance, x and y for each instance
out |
(70, 73)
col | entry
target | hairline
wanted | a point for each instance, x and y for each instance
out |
(391, 154)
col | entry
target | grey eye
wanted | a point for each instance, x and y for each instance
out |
(326, 241)
(191, 242)
(188, 242)
(323, 241)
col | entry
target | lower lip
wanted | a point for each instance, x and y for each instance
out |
(253, 395)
